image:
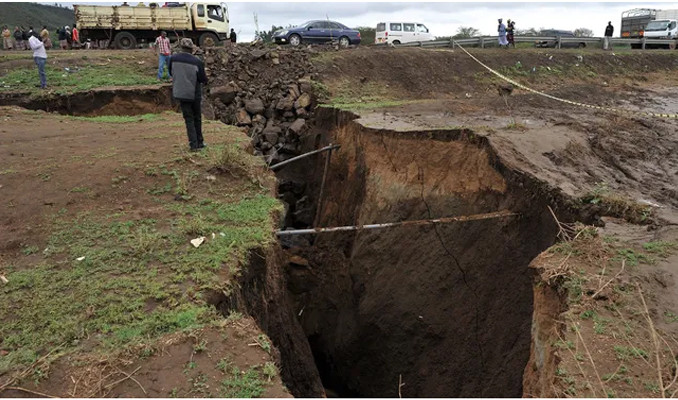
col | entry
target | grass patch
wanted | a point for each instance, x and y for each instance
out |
(661, 248)
(139, 278)
(80, 79)
(368, 105)
(245, 384)
(119, 119)
(616, 205)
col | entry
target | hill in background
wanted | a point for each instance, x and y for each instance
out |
(35, 15)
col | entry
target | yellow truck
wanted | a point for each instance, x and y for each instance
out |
(127, 26)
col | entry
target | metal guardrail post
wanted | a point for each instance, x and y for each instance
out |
(452, 43)
(482, 42)
(643, 45)
(560, 41)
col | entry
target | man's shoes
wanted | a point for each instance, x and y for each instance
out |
(202, 146)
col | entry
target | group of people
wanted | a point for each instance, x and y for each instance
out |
(506, 33)
(68, 38)
(19, 39)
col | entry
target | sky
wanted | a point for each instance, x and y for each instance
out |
(442, 18)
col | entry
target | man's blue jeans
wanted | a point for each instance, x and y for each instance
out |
(162, 61)
(40, 62)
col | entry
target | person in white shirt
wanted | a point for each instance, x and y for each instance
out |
(40, 58)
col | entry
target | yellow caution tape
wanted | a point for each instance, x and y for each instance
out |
(609, 109)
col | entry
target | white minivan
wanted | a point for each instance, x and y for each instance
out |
(401, 32)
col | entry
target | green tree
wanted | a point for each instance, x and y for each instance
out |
(583, 32)
(529, 32)
(367, 34)
(465, 32)
(266, 36)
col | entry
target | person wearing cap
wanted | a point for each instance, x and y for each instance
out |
(502, 33)
(162, 43)
(188, 75)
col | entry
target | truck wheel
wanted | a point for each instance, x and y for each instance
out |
(125, 41)
(208, 39)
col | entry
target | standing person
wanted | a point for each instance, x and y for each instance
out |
(69, 40)
(188, 73)
(502, 33)
(75, 36)
(40, 58)
(510, 31)
(18, 38)
(63, 43)
(232, 37)
(162, 43)
(7, 38)
(25, 35)
(609, 31)
(44, 36)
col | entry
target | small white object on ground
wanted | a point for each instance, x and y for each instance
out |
(3, 279)
(198, 241)
(80, 258)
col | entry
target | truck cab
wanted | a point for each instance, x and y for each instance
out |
(662, 29)
(210, 17)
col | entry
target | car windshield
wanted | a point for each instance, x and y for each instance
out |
(657, 26)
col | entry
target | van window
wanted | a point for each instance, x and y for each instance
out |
(422, 28)
(396, 27)
(673, 25)
(381, 27)
(214, 12)
(408, 27)
(201, 10)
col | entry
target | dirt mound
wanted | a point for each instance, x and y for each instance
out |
(420, 73)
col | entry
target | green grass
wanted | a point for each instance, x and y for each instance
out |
(119, 119)
(661, 248)
(245, 384)
(139, 279)
(367, 105)
(625, 353)
(83, 79)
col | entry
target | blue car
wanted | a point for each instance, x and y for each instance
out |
(320, 31)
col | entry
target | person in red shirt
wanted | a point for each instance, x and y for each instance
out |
(162, 43)
(75, 36)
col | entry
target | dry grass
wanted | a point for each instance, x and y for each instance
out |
(608, 343)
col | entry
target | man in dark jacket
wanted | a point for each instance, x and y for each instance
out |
(63, 43)
(188, 73)
(609, 31)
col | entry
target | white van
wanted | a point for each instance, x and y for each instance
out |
(401, 32)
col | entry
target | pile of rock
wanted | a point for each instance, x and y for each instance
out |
(268, 90)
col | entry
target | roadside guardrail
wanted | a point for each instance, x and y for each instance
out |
(482, 41)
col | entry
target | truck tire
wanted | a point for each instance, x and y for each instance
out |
(125, 41)
(208, 39)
